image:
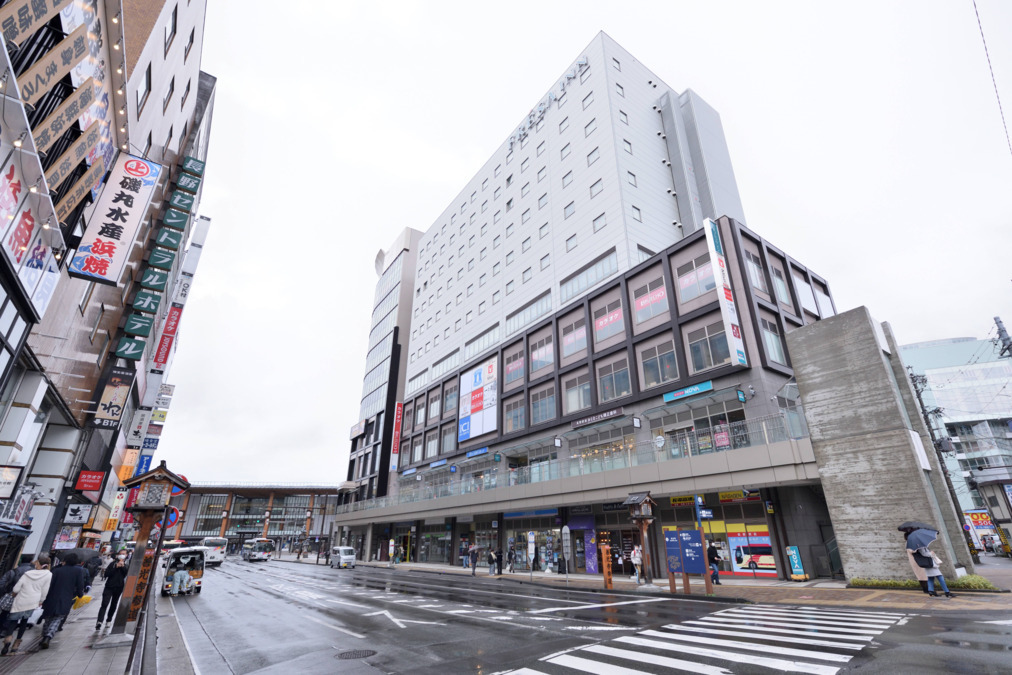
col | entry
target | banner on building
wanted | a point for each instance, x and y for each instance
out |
(138, 425)
(54, 126)
(35, 82)
(478, 390)
(9, 476)
(728, 309)
(67, 537)
(77, 514)
(159, 416)
(20, 19)
(119, 212)
(114, 397)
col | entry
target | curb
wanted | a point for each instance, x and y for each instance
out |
(919, 590)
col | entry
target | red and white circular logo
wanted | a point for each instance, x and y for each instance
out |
(137, 168)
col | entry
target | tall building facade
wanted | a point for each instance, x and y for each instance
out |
(383, 385)
(966, 381)
(591, 317)
(103, 182)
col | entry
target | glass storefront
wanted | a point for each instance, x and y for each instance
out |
(547, 540)
(435, 544)
(739, 529)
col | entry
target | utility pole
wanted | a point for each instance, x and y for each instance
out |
(920, 382)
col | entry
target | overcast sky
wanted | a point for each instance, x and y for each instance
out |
(865, 138)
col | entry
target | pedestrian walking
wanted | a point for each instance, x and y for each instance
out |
(512, 560)
(923, 560)
(637, 561)
(498, 559)
(7, 582)
(115, 579)
(28, 592)
(473, 555)
(491, 562)
(69, 581)
(713, 558)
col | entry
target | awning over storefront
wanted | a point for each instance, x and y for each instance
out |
(522, 449)
(608, 425)
(12, 530)
(694, 403)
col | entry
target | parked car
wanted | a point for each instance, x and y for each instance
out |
(342, 556)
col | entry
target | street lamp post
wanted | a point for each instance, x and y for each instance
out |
(641, 511)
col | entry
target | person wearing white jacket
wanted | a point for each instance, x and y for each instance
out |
(29, 592)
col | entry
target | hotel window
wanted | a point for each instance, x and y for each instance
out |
(539, 126)
(608, 321)
(622, 117)
(542, 172)
(470, 290)
(497, 171)
(545, 261)
(600, 222)
(189, 44)
(584, 75)
(170, 29)
(542, 355)
(450, 394)
(570, 243)
(483, 253)
(593, 156)
(823, 300)
(613, 381)
(509, 287)
(449, 443)
(543, 201)
(708, 347)
(186, 95)
(509, 258)
(631, 178)
(561, 101)
(774, 345)
(416, 450)
(543, 405)
(527, 275)
(637, 214)
(514, 365)
(434, 405)
(509, 157)
(495, 298)
(498, 191)
(526, 245)
(650, 299)
(564, 124)
(497, 241)
(484, 185)
(543, 231)
(695, 278)
(805, 293)
(497, 217)
(470, 264)
(659, 364)
(482, 279)
(596, 188)
(143, 89)
(754, 267)
(513, 418)
(577, 393)
(567, 179)
(587, 100)
(589, 275)
(468, 317)
(569, 210)
(589, 129)
(481, 307)
(565, 151)
(525, 216)
(574, 338)
(627, 146)
(431, 445)
(509, 180)
(484, 206)
(616, 65)
(495, 269)
(619, 90)
(147, 145)
(525, 190)
(474, 195)
(541, 148)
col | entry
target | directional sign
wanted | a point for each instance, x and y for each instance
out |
(567, 545)
(530, 545)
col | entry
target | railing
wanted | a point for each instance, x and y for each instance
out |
(751, 433)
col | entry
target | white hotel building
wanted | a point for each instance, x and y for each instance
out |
(568, 343)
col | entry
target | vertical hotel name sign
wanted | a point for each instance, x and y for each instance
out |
(120, 210)
(728, 309)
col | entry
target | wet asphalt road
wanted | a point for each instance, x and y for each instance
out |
(279, 617)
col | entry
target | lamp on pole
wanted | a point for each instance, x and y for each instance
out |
(641, 511)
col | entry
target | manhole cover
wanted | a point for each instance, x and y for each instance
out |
(356, 654)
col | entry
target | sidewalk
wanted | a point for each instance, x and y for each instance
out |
(740, 589)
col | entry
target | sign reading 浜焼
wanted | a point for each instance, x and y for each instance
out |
(120, 210)
(728, 309)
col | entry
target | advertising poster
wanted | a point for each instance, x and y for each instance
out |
(750, 549)
(590, 551)
(114, 398)
(728, 309)
(67, 537)
(478, 391)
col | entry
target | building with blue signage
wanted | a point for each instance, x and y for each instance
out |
(591, 317)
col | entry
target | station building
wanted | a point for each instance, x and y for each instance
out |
(591, 317)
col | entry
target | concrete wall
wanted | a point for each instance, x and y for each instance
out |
(875, 458)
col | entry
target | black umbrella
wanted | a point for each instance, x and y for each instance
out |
(912, 525)
(82, 554)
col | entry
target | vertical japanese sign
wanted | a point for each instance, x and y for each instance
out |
(114, 397)
(122, 206)
(728, 309)
(395, 443)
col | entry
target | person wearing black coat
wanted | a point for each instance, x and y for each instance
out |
(115, 579)
(10, 578)
(69, 581)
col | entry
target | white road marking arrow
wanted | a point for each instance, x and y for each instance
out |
(400, 622)
(999, 623)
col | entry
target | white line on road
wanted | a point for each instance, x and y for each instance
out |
(725, 618)
(400, 622)
(764, 629)
(998, 623)
(777, 664)
(814, 618)
(350, 604)
(337, 628)
(793, 639)
(750, 646)
(665, 661)
(599, 628)
(603, 604)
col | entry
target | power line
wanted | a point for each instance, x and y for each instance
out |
(993, 81)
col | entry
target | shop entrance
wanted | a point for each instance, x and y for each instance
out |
(622, 541)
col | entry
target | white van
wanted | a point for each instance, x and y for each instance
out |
(342, 556)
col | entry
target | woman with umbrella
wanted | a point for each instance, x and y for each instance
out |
(919, 536)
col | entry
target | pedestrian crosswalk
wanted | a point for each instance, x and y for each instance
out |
(740, 639)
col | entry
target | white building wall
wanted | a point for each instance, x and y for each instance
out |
(444, 315)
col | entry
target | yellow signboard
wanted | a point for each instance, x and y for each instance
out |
(683, 500)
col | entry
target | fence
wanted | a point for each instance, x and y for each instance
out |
(761, 431)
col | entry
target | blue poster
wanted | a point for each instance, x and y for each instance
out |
(674, 552)
(693, 554)
(144, 465)
(794, 555)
